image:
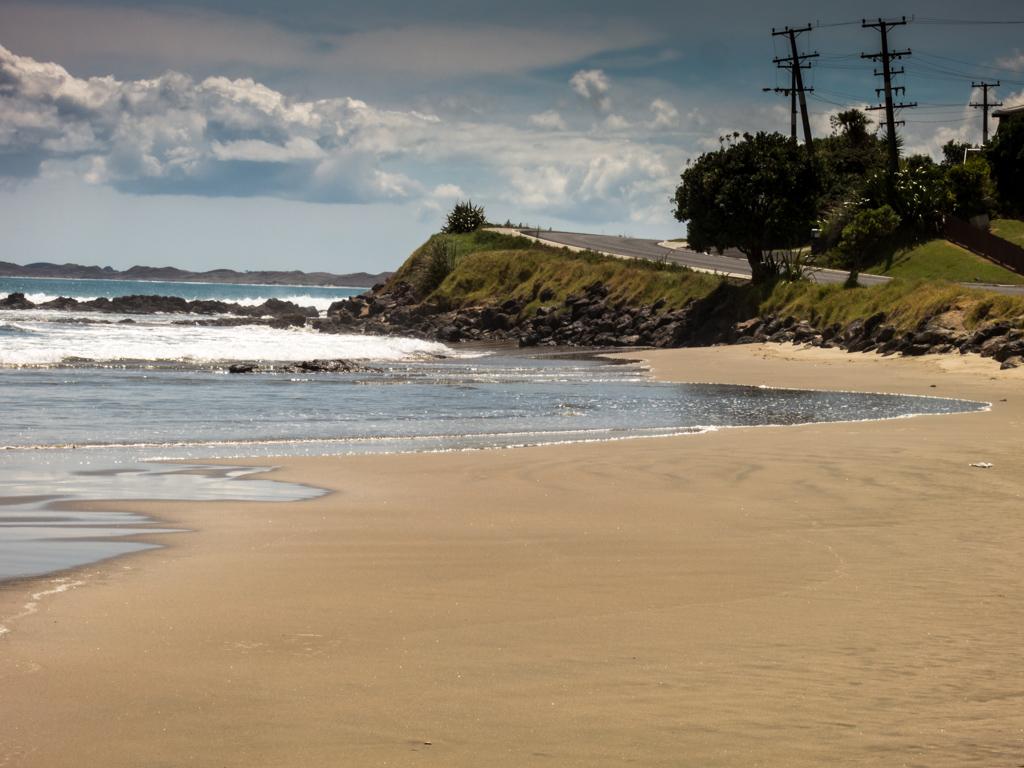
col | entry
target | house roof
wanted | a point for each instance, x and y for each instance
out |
(1009, 111)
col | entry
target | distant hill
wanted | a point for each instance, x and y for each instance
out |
(173, 274)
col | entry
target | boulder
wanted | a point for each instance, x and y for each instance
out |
(16, 301)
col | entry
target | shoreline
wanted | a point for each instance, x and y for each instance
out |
(583, 556)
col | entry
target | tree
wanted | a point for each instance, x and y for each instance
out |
(1005, 154)
(464, 217)
(851, 124)
(919, 192)
(846, 158)
(866, 232)
(756, 193)
(953, 152)
(971, 186)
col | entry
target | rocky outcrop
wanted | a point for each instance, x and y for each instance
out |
(592, 319)
(287, 312)
(588, 319)
(306, 366)
(16, 301)
(997, 340)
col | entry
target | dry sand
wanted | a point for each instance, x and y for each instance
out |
(846, 594)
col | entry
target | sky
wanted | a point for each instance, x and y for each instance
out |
(325, 135)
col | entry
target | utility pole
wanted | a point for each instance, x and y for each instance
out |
(886, 57)
(791, 93)
(985, 106)
(794, 62)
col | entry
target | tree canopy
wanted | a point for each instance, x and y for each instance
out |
(1005, 153)
(756, 193)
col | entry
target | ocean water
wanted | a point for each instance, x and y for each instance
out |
(91, 408)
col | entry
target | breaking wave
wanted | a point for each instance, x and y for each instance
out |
(43, 344)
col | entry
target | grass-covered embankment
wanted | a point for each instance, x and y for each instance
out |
(483, 267)
(906, 303)
(940, 259)
(452, 272)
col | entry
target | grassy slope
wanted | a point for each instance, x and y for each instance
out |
(491, 268)
(1009, 229)
(905, 302)
(942, 260)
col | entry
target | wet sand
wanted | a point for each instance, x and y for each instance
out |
(845, 594)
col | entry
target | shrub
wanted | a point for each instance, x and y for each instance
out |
(441, 255)
(464, 217)
(972, 188)
(865, 232)
(919, 193)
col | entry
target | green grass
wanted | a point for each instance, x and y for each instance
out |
(905, 302)
(942, 260)
(1009, 229)
(490, 267)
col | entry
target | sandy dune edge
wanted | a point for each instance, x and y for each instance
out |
(847, 594)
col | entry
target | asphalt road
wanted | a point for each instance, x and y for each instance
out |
(730, 263)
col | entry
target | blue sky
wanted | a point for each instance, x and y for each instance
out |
(326, 135)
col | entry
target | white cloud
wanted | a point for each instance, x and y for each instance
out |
(592, 85)
(237, 137)
(1014, 99)
(665, 115)
(616, 123)
(448, 192)
(549, 120)
(1014, 62)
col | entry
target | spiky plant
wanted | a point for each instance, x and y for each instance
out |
(464, 217)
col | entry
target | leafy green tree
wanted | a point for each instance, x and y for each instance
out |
(846, 158)
(953, 152)
(851, 124)
(1005, 154)
(868, 230)
(464, 217)
(919, 192)
(971, 185)
(756, 193)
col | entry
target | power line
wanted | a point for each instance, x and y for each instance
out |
(930, 55)
(938, 122)
(964, 22)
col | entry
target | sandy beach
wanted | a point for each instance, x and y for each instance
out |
(843, 594)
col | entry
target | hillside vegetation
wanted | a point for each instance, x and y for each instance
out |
(906, 303)
(487, 268)
(483, 267)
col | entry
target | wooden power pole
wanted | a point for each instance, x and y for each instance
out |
(794, 62)
(985, 106)
(886, 57)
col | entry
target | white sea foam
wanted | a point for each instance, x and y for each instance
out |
(321, 303)
(42, 298)
(32, 606)
(53, 343)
